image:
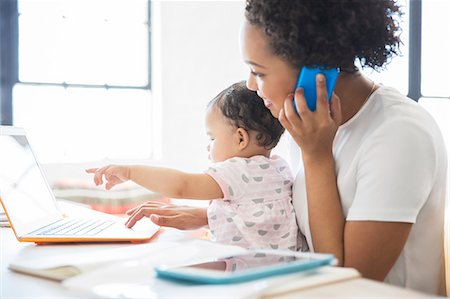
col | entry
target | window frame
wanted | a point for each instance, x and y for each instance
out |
(9, 31)
(9, 61)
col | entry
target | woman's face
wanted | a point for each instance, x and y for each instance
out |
(270, 75)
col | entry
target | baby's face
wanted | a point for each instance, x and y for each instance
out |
(224, 139)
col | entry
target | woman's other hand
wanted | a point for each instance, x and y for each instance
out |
(162, 214)
(313, 131)
(113, 174)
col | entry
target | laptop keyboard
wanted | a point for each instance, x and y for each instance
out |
(77, 227)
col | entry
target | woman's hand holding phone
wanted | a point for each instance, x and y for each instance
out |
(307, 81)
(313, 131)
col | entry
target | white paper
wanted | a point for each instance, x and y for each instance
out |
(40, 257)
(138, 275)
(136, 278)
(3, 219)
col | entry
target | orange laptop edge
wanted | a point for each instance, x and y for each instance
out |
(32, 210)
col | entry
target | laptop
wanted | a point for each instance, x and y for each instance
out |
(32, 209)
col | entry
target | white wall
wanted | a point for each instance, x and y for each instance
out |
(195, 55)
(198, 56)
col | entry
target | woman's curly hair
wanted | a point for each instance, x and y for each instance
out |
(245, 109)
(331, 33)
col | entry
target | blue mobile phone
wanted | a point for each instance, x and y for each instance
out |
(307, 80)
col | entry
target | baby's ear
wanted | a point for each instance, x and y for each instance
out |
(244, 138)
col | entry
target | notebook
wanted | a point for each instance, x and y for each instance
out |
(32, 210)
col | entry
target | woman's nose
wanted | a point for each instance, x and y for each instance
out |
(251, 83)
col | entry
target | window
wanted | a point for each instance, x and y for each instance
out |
(435, 87)
(396, 72)
(431, 45)
(83, 90)
(435, 48)
(421, 70)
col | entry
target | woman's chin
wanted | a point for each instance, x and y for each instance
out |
(275, 112)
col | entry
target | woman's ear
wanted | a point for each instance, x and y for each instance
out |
(244, 138)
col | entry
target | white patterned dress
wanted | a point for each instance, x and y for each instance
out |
(257, 210)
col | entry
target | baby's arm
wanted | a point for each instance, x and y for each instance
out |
(169, 182)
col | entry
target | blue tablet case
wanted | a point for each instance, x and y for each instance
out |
(251, 274)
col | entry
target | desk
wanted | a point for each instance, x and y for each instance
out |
(15, 285)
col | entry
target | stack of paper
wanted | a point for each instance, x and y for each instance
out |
(137, 280)
(115, 201)
(3, 219)
(127, 271)
(60, 262)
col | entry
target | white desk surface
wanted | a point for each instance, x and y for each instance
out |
(15, 285)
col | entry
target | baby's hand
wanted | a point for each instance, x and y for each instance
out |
(114, 174)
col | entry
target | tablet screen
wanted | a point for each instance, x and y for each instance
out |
(246, 262)
(246, 266)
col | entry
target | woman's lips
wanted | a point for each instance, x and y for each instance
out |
(267, 103)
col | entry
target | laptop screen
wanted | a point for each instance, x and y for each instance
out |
(24, 191)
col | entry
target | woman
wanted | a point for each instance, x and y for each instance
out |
(372, 164)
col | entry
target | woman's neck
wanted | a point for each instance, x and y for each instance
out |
(353, 89)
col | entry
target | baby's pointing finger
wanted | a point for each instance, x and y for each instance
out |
(91, 170)
(98, 177)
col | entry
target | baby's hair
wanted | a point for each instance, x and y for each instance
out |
(245, 109)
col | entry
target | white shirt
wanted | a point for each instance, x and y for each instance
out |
(391, 166)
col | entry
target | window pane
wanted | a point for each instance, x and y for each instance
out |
(84, 124)
(41, 50)
(396, 72)
(105, 53)
(440, 109)
(84, 42)
(435, 48)
(118, 10)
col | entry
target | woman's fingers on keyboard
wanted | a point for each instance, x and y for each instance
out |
(137, 215)
(153, 205)
(148, 209)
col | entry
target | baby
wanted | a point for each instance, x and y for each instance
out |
(250, 190)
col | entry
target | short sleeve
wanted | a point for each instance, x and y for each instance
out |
(231, 176)
(395, 174)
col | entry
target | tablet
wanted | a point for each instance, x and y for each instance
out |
(244, 267)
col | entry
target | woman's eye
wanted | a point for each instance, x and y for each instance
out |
(259, 75)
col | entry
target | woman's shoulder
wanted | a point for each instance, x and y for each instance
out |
(390, 121)
(395, 104)
(388, 109)
(397, 110)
